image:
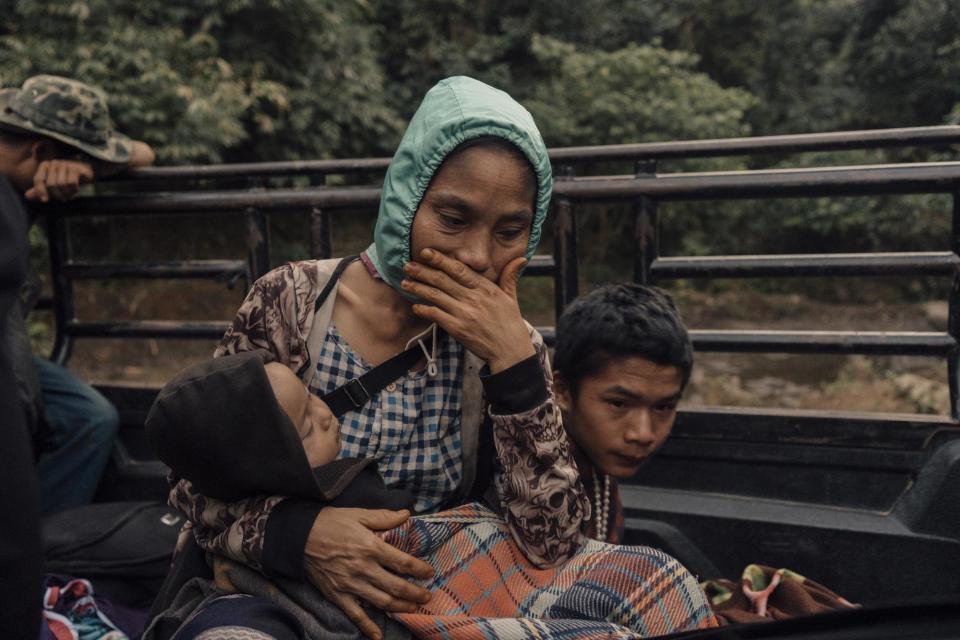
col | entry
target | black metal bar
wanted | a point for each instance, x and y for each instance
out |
(64, 309)
(646, 233)
(868, 139)
(953, 314)
(905, 343)
(43, 303)
(229, 269)
(566, 277)
(201, 203)
(540, 265)
(809, 265)
(258, 242)
(806, 426)
(259, 169)
(147, 329)
(862, 342)
(931, 177)
(321, 243)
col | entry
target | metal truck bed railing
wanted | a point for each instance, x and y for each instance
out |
(644, 189)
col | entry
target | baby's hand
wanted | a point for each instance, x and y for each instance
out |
(59, 179)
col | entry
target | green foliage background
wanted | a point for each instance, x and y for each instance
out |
(246, 80)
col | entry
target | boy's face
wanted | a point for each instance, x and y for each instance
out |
(478, 210)
(622, 414)
(318, 428)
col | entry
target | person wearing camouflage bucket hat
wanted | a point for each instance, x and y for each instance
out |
(56, 134)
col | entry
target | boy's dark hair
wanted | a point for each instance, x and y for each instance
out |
(621, 321)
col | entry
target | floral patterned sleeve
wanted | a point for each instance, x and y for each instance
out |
(274, 315)
(539, 484)
(235, 529)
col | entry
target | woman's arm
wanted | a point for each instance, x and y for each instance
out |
(538, 481)
(236, 530)
(539, 485)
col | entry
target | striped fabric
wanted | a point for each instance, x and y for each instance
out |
(485, 589)
(411, 428)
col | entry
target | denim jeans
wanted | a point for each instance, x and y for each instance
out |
(83, 425)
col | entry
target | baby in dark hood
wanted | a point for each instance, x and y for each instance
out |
(245, 425)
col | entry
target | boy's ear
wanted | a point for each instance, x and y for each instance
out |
(562, 392)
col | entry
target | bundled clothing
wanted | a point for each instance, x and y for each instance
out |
(483, 588)
(764, 594)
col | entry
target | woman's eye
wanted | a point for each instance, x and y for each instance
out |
(510, 234)
(451, 222)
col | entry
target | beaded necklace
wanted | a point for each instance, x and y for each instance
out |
(601, 506)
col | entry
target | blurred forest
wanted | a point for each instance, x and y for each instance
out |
(245, 80)
(235, 80)
(253, 80)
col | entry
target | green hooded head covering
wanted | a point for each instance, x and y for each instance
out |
(454, 111)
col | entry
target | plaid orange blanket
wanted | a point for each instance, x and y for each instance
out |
(485, 588)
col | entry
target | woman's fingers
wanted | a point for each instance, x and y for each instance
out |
(393, 593)
(404, 563)
(429, 293)
(443, 319)
(456, 270)
(436, 278)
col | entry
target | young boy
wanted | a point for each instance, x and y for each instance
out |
(621, 362)
(623, 358)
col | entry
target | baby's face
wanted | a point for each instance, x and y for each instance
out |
(318, 428)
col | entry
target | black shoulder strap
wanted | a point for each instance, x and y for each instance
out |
(357, 392)
(332, 282)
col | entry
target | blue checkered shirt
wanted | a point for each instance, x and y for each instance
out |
(411, 427)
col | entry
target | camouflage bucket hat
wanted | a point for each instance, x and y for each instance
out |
(67, 110)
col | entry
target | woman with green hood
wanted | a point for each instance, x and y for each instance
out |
(462, 207)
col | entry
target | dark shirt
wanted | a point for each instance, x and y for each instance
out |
(20, 552)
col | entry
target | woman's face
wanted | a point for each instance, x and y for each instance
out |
(478, 209)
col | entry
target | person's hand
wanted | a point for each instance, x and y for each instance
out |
(481, 315)
(59, 180)
(348, 563)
